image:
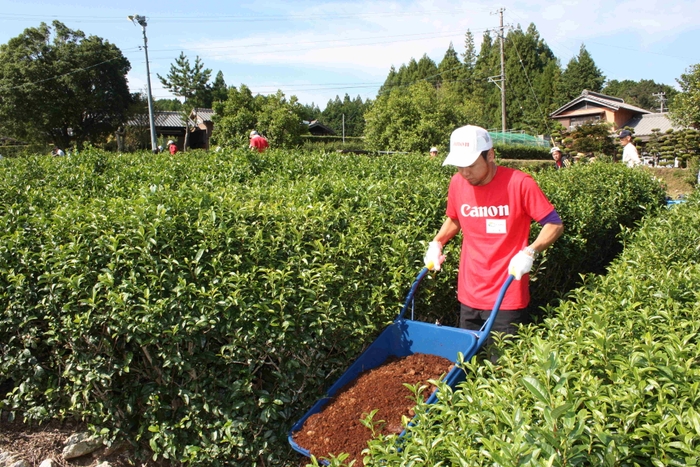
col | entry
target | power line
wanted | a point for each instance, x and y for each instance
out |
(530, 85)
(6, 88)
(424, 35)
(245, 18)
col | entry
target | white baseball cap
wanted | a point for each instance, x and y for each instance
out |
(170, 142)
(554, 149)
(466, 145)
(433, 149)
(253, 133)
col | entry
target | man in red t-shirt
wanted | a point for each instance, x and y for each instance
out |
(493, 206)
(258, 142)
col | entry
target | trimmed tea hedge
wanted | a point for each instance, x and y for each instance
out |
(199, 304)
(612, 379)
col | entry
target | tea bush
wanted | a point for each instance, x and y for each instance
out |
(199, 304)
(611, 379)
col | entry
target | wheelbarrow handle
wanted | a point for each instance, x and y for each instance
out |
(486, 328)
(412, 292)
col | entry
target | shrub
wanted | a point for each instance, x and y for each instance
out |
(199, 304)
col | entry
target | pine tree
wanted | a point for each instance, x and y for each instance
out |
(581, 73)
(390, 82)
(426, 70)
(468, 63)
(450, 68)
(528, 95)
(189, 82)
(486, 94)
(219, 90)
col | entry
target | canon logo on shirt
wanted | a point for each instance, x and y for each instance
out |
(485, 211)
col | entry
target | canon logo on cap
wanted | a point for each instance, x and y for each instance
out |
(457, 143)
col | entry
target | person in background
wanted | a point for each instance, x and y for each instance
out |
(258, 141)
(433, 152)
(58, 151)
(629, 153)
(560, 161)
(493, 206)
(172, 147)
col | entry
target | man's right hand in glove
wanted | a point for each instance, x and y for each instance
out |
(433, 257)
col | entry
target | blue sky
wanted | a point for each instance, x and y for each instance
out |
(317, 50)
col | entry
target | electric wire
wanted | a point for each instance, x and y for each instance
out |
(9, 88)
(527, 77)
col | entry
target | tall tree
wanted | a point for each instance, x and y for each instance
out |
(468, 62)
(219, 90)
(528, 57)
(581, 73)
(276, 117)
(390, 82)
(280, 120)
(426, 70)
(190, 82)
(486, 94)
(423, 69)
(60, 86)
(450, 68)
(416, 117)
(234, 117)
(685, 109)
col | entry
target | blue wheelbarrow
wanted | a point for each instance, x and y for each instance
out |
(406, 337)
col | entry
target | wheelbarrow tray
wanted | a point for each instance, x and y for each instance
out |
(407, 337)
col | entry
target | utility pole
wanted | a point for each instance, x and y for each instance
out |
(661, 97)
(343, 128)
(141, 20)
(502, 77)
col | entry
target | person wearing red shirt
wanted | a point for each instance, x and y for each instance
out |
(172, 147)
(258, 142)
(493, 206)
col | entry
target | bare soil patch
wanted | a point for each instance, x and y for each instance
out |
(36, 442)
(337, 428)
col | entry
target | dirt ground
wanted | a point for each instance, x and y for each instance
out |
(35, 443)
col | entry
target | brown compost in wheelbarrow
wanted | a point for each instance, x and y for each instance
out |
(337, 427)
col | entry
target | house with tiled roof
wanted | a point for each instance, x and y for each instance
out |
(596, 107)
(592, 107)
(171, 125)
(644, 125)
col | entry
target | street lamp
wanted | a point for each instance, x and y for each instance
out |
(141, 20)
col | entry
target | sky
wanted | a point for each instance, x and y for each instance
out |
(317, 50)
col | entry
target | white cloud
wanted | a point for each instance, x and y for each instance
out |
(371, 43)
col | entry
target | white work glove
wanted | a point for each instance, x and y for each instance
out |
(433, 257)
(520, 265)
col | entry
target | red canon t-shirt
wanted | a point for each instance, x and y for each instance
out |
(495, 221)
